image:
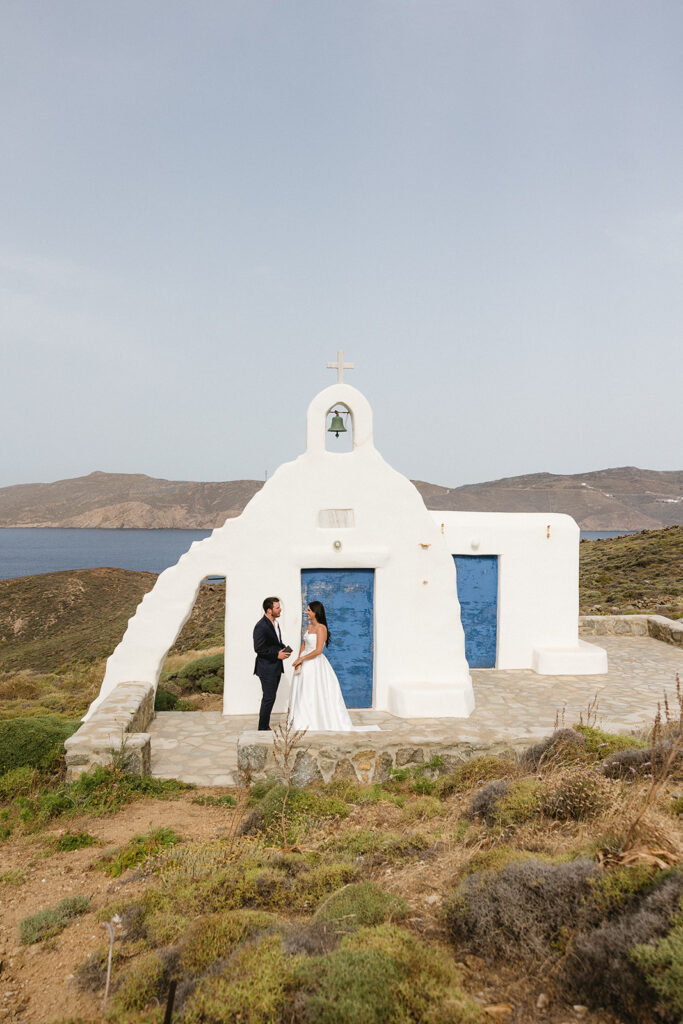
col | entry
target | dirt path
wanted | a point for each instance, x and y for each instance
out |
(37, 982)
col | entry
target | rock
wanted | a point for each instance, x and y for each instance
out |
(409, 755)
(305, 770)
(580, 1010)
(542, 1001)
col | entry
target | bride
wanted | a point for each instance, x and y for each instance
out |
(316, 701)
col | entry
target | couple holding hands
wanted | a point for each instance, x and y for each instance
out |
(315, 703)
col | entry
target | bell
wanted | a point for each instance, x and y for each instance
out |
(336, 427)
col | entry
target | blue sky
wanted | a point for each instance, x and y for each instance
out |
(480, 202)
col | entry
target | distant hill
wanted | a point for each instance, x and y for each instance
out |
(609, 499)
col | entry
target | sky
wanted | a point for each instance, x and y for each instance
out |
(479, 201)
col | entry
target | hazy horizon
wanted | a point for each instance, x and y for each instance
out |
(480, 201)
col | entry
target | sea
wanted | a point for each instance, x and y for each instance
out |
(30, 551)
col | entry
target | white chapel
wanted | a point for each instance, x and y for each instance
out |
(414, 598)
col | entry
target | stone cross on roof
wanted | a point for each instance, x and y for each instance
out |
(340, 366)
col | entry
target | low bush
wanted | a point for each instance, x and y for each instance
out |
(74, 841)
(376, 847)
(102, 791)
(52, 921)
(564, 745)
(524, 911)
(363, 903)
(507, 804)
(253, 986)
(639, 761)
(34, 742)
(19, 782)
(145, 982)
(661, 962)
(211, 684)
(474, 772)
(616, 965)
(303, 810)
(602, 744)
(164, 700)
(379, 975)
(226, 800)
(214, 936)
(574, 796)
(139, 849)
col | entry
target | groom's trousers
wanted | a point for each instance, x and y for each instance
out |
(269, 687)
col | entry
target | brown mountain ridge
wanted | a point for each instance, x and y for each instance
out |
(626, 498)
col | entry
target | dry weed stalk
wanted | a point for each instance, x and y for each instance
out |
(286, 739)
(662, 759)
(110, 930)
(591, 713)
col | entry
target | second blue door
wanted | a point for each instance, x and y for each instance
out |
(348, 598)
(478, 596)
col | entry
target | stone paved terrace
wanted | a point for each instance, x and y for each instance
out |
(513, 709)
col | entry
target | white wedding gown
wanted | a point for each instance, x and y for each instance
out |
(316, 701)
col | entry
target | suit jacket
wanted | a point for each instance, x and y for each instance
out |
(268, 667)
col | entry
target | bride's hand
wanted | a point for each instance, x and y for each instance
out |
(297, 663)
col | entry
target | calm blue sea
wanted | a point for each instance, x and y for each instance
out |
(30, 551)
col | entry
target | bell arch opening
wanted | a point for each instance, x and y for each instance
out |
(339, 429)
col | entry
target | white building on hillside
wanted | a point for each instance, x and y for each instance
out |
(411, 595)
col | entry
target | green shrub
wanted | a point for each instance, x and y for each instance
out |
(164, 700)
(75, 841)
(142, 984)
(136, 851)
(18, 782)
(15, 876)
(211, 684)
(35, 742)
(361, 904)
(662, 965)
(633, 956)
(254, 987)
(226, 800)
(602, 744)
(215, 936)
(382, 975)
(101, 791)
(52, 921)
(185, 705)
(304, 809)
(473, 773)
(505, 804)
(378, 847)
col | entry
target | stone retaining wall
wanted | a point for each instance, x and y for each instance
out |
(363, 758)
(656, 626)
(118, 726)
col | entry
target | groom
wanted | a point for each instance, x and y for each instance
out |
(270, 654)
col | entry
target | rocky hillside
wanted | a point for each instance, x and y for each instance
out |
(611, 499)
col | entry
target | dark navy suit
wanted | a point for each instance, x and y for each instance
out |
(268, 666)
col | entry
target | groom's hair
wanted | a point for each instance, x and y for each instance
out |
(269, 602)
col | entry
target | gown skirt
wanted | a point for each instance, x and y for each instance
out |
(316, 702)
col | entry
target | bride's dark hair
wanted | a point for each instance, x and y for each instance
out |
(318, 609)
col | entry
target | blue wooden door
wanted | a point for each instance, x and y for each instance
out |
(348, 598)
(478, 596)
